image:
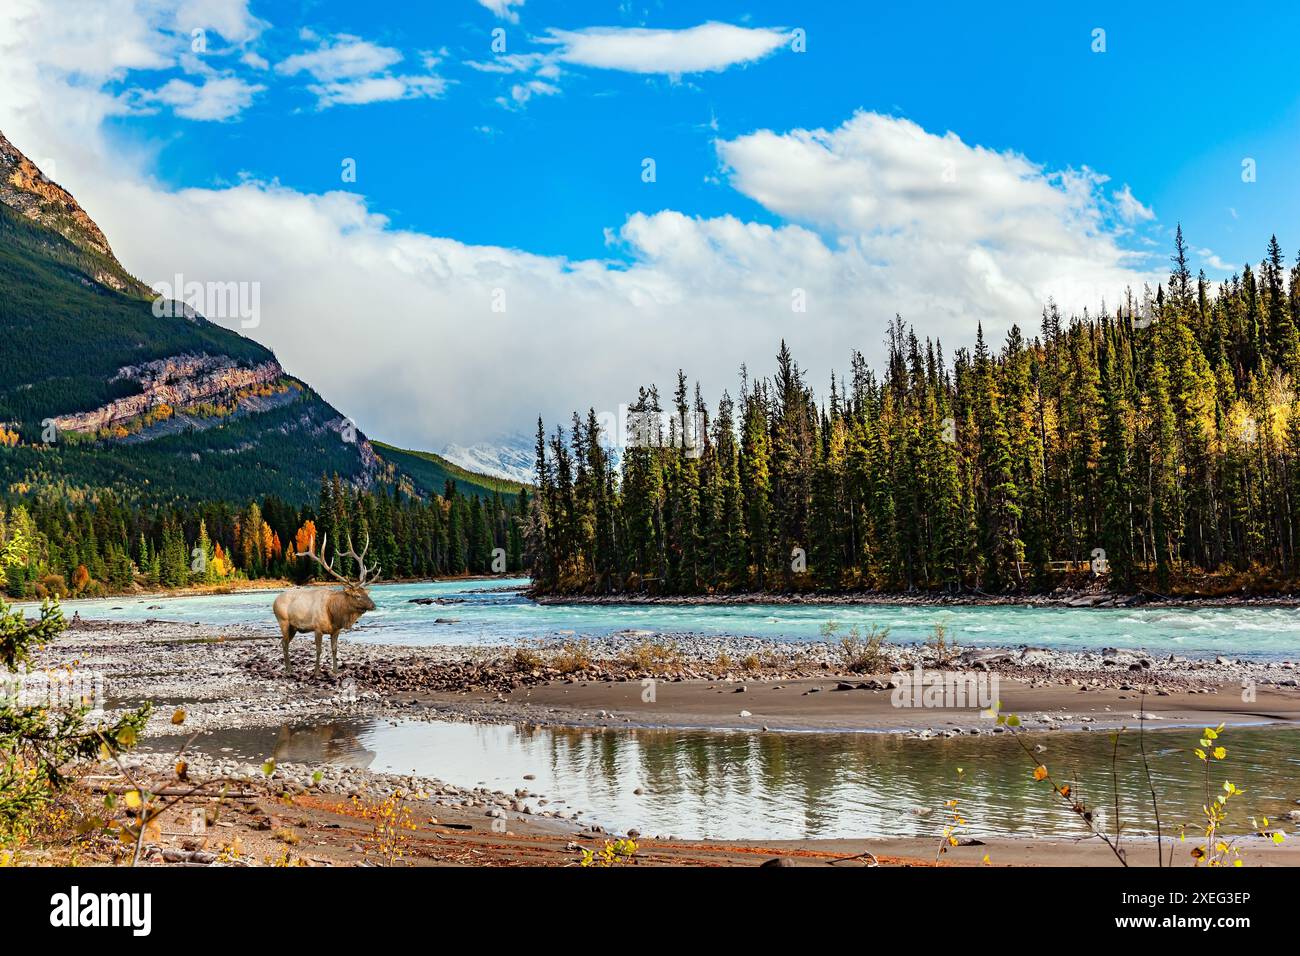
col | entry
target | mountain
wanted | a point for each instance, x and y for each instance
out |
(429, 473)
(101, 386)
(512, 457)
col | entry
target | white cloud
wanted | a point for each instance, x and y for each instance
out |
(521, 93)
(230, 18)
(502, 8)
(710, 47)
(344, 58)
(1129, 209)
(1214, 261)
(351, 71)
(1002, 231)
(389, 324)
(216, 98)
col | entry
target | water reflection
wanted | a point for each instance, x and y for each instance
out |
(722, 785)
(333, 743)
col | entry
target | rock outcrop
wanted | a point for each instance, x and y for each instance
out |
(175, 381)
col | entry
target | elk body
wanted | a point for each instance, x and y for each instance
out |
(319, 611)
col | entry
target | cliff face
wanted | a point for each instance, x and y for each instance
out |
(176, 381)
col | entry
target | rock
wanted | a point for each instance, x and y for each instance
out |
(845, 685)
(777, 861)
(745, 713)
(976, 656)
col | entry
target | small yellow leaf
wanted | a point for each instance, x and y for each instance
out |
(178, 716)
(132, 798)
(1220, 753)
(1040, 772)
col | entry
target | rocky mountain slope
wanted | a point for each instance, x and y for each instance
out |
(99, 389)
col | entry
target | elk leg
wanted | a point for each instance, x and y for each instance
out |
(316, 672)
(334, 652)
(286, 635)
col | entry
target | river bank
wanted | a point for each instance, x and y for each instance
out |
(295, 817)
(235, 677)
(232, 677)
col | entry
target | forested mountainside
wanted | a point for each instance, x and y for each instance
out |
(99, 390)
(1156, 445)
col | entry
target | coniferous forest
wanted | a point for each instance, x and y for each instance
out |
(100, 545)
(1156, 445)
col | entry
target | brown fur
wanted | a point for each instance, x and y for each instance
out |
(304, 610)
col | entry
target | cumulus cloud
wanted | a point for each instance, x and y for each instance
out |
(1129, 208)
(352, 71)
(216, 98)
(1007, 232)
(708, 48)
(870, 218)
(502, 8)
(344, 57)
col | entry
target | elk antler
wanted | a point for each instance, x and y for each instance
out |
(318, 557)
(363, 571)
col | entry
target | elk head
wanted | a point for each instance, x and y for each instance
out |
(355, 591)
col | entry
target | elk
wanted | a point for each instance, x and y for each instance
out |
(300, 610)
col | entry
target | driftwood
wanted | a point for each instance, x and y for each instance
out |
(178, 792)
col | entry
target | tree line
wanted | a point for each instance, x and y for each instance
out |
(1154, 443)
(99, 544)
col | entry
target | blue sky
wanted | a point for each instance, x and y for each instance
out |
(500, 254)
(1171, 108)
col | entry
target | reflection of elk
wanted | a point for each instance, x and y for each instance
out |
(300, 610)
(335, 744)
